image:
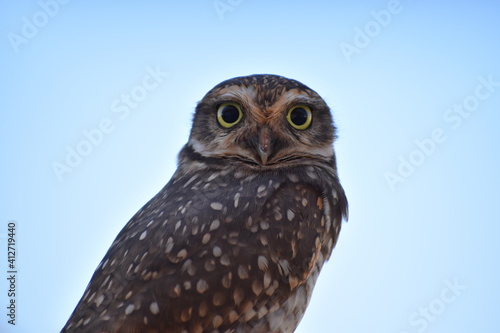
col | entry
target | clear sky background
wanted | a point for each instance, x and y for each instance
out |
(415, 91)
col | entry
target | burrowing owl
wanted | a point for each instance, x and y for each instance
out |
(236, 240)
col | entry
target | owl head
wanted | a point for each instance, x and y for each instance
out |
(263, 121)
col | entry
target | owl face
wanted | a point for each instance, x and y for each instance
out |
(263, 121)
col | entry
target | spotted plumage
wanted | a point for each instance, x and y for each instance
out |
(236, 239)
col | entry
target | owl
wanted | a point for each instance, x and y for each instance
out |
(237, 238)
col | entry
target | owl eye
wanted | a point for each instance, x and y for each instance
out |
(229, 114)
(299, 116)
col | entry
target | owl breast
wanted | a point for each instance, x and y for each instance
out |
(263, 241)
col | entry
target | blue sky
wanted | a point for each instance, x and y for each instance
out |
(414, 87)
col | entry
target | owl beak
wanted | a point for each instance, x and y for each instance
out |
(264, 147)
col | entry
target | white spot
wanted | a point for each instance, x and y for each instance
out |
(216, 206)
(215, 224)
(264, 225)
(236, 199)
(330, 244)
(170, 245)
(129, 309)
(202, 286)
(293, 281)
(91, 297)
(243, 272)
(187, 285)
(217, 251)
(277, 214)
(153, 307)
(233, 315)
(206, 238)
(99, 300)
(106, 280)
(213, 176)
(257, 287)
(190, 181)
(151, 222)
(262, 262)
(109, 285)
(312, 174)
(261, 188)
(224, 260)
(186, 265)
(327, 210)
(217, 321)
(250, 314)
(267, 279)
(182, 254)
(143, 235)
(262, 312)
(226, 280)
(284, 267)
(176, 290)
(290, 215)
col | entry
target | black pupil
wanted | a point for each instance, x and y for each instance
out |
(230, 114)
(298, 116)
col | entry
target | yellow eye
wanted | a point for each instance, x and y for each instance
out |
(229, 114)
(299, 116)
